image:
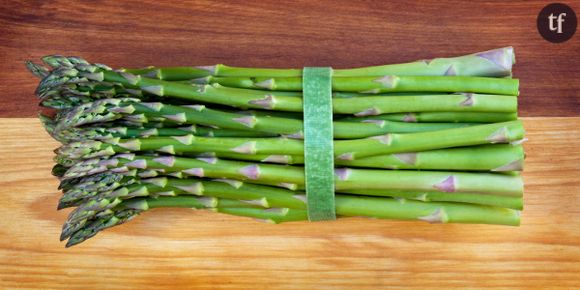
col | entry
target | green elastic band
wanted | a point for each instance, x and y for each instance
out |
(318, 145)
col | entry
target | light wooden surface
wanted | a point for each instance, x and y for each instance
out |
(194, 249)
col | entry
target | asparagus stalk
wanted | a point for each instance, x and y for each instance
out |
(386, 208)
(377, 84)
(506, 201)
(82, 215)
(492, 63)
(293, 177)
(105, 133)
(436, 117)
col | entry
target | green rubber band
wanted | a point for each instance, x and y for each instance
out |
(318, 143)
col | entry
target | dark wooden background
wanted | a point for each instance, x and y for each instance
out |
(292, 34)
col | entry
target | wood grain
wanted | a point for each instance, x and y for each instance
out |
(293, 34)
(199, 250)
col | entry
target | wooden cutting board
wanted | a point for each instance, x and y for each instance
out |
(182, 248)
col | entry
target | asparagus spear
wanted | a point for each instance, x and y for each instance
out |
(82, 215)
(492, 63)
(386, 208)
(461, 117)
(376, 84)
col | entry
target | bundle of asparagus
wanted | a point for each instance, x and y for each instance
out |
(434, 140)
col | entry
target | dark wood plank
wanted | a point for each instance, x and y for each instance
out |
(270, 33)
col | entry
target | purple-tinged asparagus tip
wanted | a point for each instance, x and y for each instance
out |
(288, 185)
(149, 132)
(123, 191)
(346, 156)
(281, 159)
(468, 102)
(176, 174)
(166, 193)
(379, 123)
(133, 145)
(185, 139)
(194, 171)
(131, 78)
(248, 121)
(168, 161)
(148, 174)
(266, 102)
(155, 90)
(207, 201)
(447, 185)
(134, 92)
(499, 136)
(388, 81)
(154, 106)
(407, 158)
(516, 165)
(109, 162)
(369, 112)
(191, 128)
(127, 156)
(159, 181)
(208, 160)
(139, 163)
(343, 173)
(300, 197)
(251, 171)
(410, 118)
(265, 84)
(297, 135)
(246, 148)
(263, 202)
(153, 74)
(120, 169)
(383, 139)
(178, 118)
(123, 110)
(502, 57)
(96, 76)
(450, 71)
(139, 204)
(198, 108)
(195, 189)
(211, 69)
(438, 216)
(142, 191)
(233, 183)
